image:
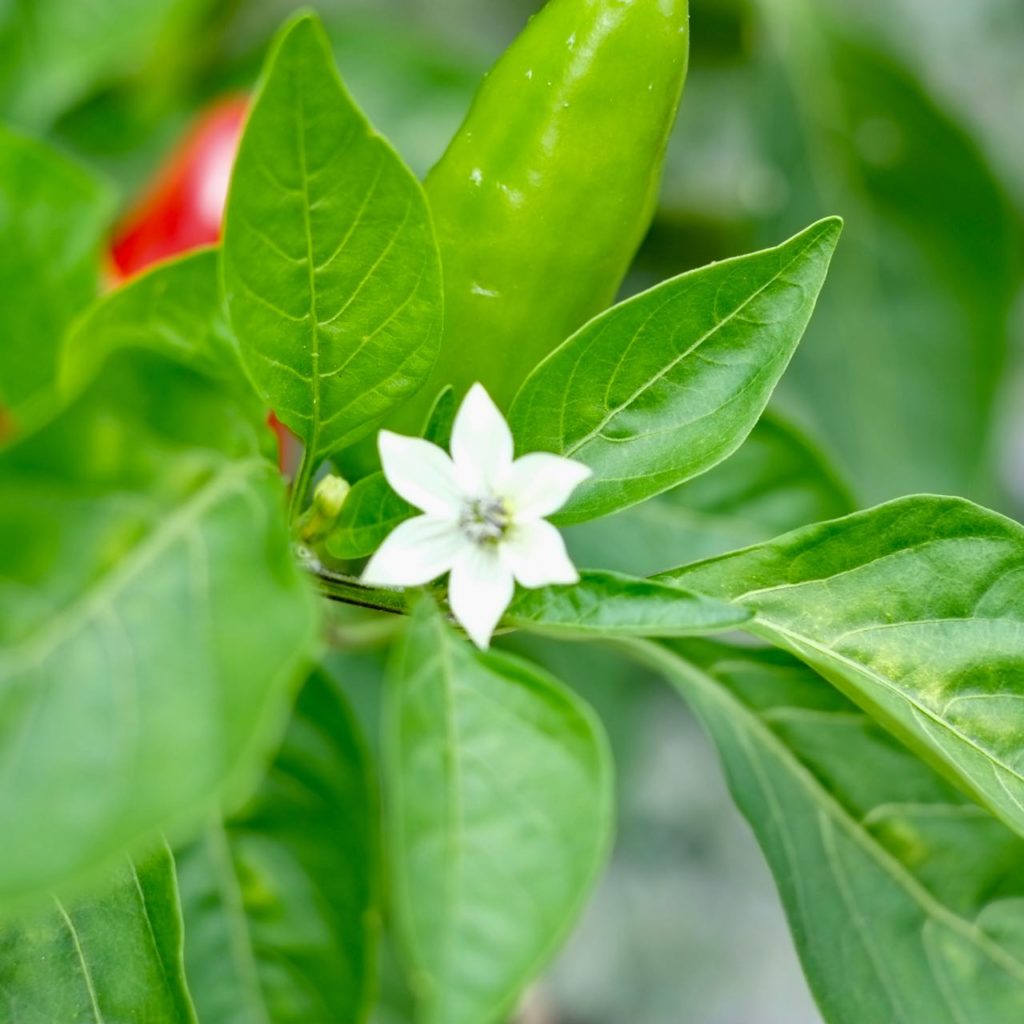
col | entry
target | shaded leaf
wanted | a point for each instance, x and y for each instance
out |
(175, 309)
(280, 900)
(151, 615)
(906, 900)
(52, 218)
(904, 359)
(112, 955)
(498, 819)
(605, 604)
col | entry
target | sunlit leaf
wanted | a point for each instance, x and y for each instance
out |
(667, 384)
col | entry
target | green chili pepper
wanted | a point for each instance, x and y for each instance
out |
(545, 193)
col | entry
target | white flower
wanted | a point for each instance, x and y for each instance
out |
(483, 516)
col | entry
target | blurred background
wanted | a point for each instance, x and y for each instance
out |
(904, 116)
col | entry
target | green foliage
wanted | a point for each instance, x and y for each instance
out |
(669, 383)
(330, 267)
(914, 610)
(52, 216)
(608, 604)
(776, 481)
(157, 612)
(280, 900)
(53, 53)
(904, 897)
(136, 558)
(498, 790)
(111, 957)
(175, 309)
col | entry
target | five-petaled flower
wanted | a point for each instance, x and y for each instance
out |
(483, 516)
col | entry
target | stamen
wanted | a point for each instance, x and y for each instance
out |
(484, 520)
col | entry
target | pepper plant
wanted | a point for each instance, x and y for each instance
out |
(194, 825)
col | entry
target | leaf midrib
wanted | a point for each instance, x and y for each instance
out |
(890, 686)
(313, 442)
(928, 903)
(39, 644)
(669, 367)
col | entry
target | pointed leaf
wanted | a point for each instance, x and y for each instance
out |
(776, 481)
(605, 604)
(330, 266)
(669, 383)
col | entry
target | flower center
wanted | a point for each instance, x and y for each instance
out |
(484, 520)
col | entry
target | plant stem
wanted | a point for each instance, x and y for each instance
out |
(337, 587)
(300, 485)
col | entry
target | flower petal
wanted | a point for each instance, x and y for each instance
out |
(540, 483)
(421, 473)
(415, 552)
(481, 443)
(479, 590)
(535, 554)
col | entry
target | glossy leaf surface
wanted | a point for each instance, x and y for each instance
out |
(776, 481)
(914, 609)
(905, 898)
(606, 604)
(498, 818)
(669, 383)
(330, 266)
(280, 900)
(110, 955)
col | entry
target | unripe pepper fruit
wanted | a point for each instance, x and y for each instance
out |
(547, 190)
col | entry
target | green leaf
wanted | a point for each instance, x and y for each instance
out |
(605, 604)
(280, 901)
(499, 816)
(111, 955)
(330, 266)
(914, 610)
(52, 218)
(905, 898)
(776, 481)
(175, 309)
(439, 422)
(136, 561)
(371, 511)
(669, 383)
(903, 363)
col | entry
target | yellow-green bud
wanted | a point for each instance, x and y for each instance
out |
(330, 495)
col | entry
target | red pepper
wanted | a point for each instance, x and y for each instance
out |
(184, 207)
